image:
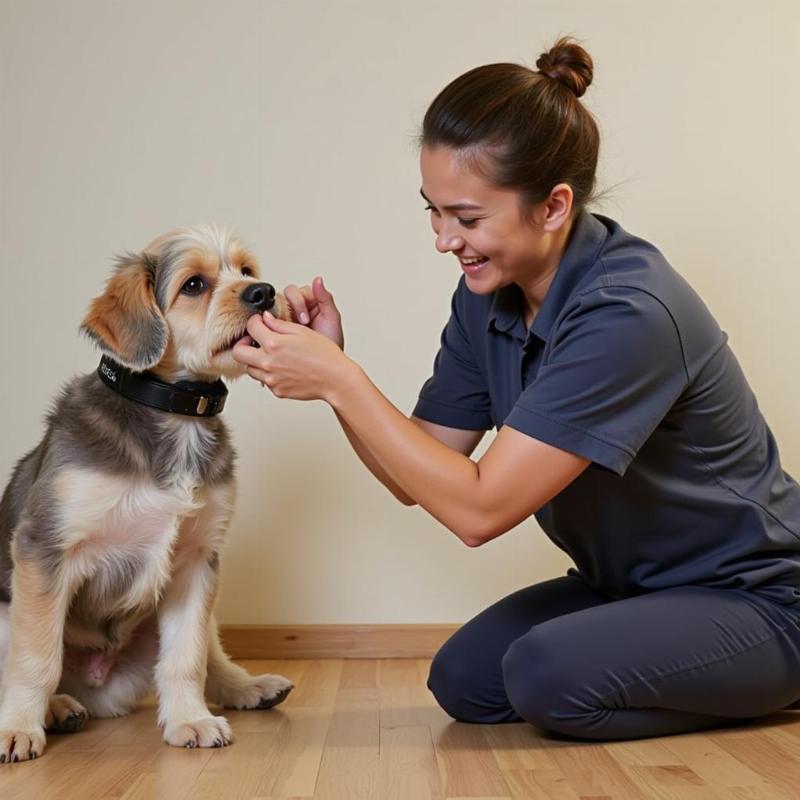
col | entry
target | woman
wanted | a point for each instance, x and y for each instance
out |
(625, 426)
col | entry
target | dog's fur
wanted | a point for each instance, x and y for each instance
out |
(111, 528)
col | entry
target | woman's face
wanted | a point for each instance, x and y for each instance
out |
(482, 225)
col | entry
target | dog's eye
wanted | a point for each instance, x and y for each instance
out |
(195, 285)
(247, 271)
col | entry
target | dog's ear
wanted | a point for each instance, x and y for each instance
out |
(125, 321)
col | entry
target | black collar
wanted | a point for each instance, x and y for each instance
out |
(194, 399)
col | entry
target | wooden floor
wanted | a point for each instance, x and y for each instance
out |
(369, 729)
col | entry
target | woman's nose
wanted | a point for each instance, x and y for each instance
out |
(447, 241)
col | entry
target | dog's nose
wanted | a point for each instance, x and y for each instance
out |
(259, 296)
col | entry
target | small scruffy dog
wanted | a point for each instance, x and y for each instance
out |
(111, 529)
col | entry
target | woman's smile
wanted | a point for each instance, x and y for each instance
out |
(474, 264)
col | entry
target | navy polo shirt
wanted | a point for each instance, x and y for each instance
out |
(625, 366)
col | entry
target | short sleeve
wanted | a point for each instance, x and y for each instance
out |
(456, 395)
(613, 371)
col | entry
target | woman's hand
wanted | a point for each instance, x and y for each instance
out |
(314, 306)
(292, 361)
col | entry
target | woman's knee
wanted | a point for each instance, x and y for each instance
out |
(534, 679)
(524, 686)
(445, 680)
(464, 692)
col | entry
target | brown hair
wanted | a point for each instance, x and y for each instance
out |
(522, 129)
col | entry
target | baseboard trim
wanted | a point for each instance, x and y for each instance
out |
(334, 641)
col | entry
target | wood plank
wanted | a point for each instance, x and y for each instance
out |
(519, 746)
(53, 774)
(295, 731)
(761, 762)
(169, 776)
(641, 752)
(713, 762)
(467, 766)
(281, 763)
(236, 772)
(671, 782)
(408, 767)
(592, 771)
(350, 761)
(654, 769)
(539, 784)
(116, 768)
(405, 702)
(359, 673)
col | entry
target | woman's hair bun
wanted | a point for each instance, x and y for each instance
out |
(569, 64)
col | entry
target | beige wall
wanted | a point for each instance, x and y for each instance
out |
(294, 122)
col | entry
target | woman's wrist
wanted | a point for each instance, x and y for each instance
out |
(347, 379)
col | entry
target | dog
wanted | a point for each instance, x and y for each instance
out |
(111, 529)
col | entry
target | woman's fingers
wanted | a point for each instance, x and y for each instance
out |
(327, 320)
(324, 297)
(301, 300)
(259, 375)
(292, 360)
(263, 333)
(245, 353)
(257, 333)
(278, 325)
(258, 330)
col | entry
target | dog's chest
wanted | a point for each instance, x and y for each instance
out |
(129, 535)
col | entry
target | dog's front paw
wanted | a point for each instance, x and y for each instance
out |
(262, 691)
(21, 745)
(208, 732)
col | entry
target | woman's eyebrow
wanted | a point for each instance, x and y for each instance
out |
(456, 207)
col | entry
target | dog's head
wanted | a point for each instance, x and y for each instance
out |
(179, 306)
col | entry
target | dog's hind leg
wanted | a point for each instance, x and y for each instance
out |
(232, 686)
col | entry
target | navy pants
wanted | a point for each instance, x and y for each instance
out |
(569, 660)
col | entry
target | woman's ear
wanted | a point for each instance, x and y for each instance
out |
(558, 206)
(125, 321)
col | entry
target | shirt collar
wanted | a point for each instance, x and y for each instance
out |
(505, 314)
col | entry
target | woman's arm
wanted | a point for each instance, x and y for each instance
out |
(315, 307)
(372, 465)
(461, 441)
(477, 501)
